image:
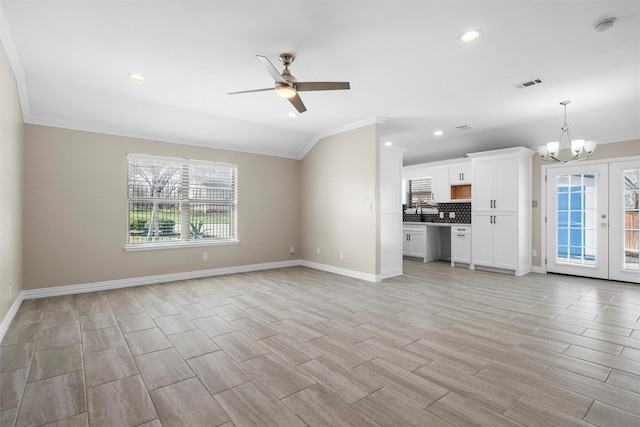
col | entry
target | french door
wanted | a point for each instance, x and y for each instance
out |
(624, 192)
(592, 220)
(577, 221)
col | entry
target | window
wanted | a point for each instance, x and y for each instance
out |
(576, 218)
(178, 201)
(418, 192)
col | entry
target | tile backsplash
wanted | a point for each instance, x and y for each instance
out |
(462, 212)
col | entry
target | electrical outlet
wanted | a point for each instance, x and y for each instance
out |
(205, 256)
(341, 254)
(292, 250)
(318, 251)
(534, 253)
(441, 215)
(452, 215)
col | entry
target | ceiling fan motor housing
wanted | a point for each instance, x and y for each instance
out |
(286, 58)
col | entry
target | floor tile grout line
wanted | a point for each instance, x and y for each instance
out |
(33, 355)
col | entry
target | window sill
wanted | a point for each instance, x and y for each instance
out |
(174, 245)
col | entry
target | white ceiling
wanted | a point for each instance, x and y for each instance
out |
(403, 58)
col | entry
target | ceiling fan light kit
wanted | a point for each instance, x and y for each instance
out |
(285, 91)
(287, 86)
(579, 148)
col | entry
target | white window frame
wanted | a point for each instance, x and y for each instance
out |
(187, 201)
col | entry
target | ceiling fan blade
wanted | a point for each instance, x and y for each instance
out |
(297, 102)
(308, 86)
(248, 91)
(270, 68)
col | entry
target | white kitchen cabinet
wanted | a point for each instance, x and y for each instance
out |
(460, 174)
(495, 240)
(415, 241)
(498, 183)
(460, 244)
(501, 210)
(440, 189)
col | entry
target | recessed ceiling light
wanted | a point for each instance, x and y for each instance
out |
(293, 114)
(438, 133)
(470, 35)
(137, 77)
(388, 143)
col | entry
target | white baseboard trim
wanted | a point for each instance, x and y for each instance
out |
(341, 271)
(4, 325)
(171, 277)
(150, 280)
(390, 273)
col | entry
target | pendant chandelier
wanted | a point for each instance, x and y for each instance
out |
(579, 148)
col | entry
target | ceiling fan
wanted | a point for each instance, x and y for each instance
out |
(288, 86)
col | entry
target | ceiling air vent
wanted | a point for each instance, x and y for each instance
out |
(529, 83)
(463, 127)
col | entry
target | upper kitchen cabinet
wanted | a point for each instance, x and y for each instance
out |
(460, 178)
(497, 182)
(501, 210)
(460, 174)
(440, 184)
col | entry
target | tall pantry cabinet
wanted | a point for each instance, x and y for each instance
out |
(501, 210)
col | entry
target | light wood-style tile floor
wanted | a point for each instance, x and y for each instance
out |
(439, 346)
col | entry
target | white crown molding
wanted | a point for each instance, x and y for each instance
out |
(4, 325)
(341, 129)
(153, 137)
(14, 60)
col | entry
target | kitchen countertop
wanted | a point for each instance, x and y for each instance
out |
(439, 224)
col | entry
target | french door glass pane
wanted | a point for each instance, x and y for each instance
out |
(576, 219)
(631, 185)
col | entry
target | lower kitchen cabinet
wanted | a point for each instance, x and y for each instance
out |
(495, 240)
(414, 243)
(460, 244)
